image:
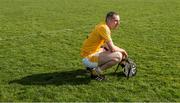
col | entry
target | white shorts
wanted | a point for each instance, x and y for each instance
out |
(91, 61)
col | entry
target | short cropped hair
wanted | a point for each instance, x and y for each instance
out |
(110, 15)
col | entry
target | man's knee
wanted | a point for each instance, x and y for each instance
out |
(118, 57)
(116, 60)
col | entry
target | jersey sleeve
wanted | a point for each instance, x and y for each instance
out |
(105, 33)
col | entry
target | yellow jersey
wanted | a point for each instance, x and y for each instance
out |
(100, 34)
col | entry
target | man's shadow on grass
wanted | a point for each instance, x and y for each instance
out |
(75, 77)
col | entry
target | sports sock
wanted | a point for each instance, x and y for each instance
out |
(98, 70)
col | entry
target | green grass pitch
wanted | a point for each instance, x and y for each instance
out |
(40, 43)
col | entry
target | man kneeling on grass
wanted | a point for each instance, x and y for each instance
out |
(97, 59)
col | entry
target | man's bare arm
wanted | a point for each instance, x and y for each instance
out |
(114, 48)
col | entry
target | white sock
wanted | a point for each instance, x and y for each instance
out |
(98, 69)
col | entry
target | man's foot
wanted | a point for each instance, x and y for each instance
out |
(96, 74)
(93, 71)
(98, 78)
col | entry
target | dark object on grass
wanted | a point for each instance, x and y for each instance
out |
(129, 67)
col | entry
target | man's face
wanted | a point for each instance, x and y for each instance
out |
(114, 22)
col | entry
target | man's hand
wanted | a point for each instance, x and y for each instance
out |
(114, 48)
(117, 49)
